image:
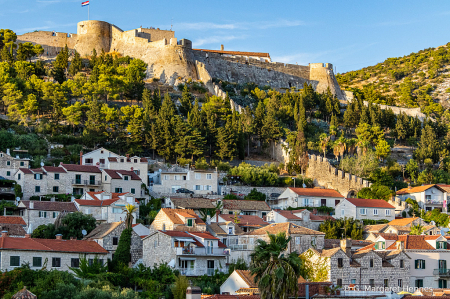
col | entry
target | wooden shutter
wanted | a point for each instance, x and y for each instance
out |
(416, 264)
(438, 245)
(445, 245)
(376, 246)
(423, 264)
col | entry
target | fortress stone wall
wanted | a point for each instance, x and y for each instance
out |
(328, 176)
(171, 60)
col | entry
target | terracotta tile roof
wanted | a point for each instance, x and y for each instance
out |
(403, 222)
(254, 291)
(329, 252)
(316, 192)
(370, 203)
(94, 194)
(207, 236)
(51, 205)
(102, 230)
(252, 205)
(114, 174)
(387, 236)
(418, 189)
(184, 214)
(247, 277)
(24, 294)
(286, 227)
(51, 245)
(37, 170)
(334, 243)
(13, 229)
(413, 242)
(12, 220)
(245, 220)
(96, 203)
(217, 296)
(172, 214)
(215, 228)
(221, 245)
(81, 168)
(288, 214)
(192, 203)
(376, 228)
(313, 217)
(26, 170)
(181, 234)
(54, 169)
(400, 228)
(239, 53)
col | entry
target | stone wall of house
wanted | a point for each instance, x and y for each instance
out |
(32, 218)
(162, 222)
(11, 165)
(158, 249)
(136, 243)
(328, 176)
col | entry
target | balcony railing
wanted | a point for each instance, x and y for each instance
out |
(442, 272)
(86, 182)
(7, 190)
(241, 247)
(211, 251)
(197, 272)
(433, 202)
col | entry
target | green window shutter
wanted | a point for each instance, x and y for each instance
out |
(423, 264)
(376, 246)
(438, 245)
(416, 264)
(445, 245)
(440, 283)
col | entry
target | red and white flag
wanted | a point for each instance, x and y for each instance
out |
(85, 3)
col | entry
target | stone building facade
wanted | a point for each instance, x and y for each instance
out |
(9, 165)
(37, 213)
(197, 181)
(107, 235)
(122, 181)
(178, 219)
(359, 209)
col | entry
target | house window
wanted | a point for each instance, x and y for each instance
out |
(419, 264)
(135, 160)
(189, 222)
(427, 196)
(118, 190)
(442, 283)
(121, 160)
(419, 283)
(117, 211)
(166, 177)
(92, 179)
(56, 176)
(198, 176)
(155, 244)
(78, 179)
(88, 161)
(197, 187)
(342, 212)
(176, 177)
(339, 282)
(55, 214)
(208, 187)
(386, 283)
(133, 191)
(125, 178)
(441, 245)
(55, 189)
(363, 211)
(8, 173)
(297, 240)
(8, 163)
(230, 212)
(75, 263)
(375, 212)
(115, 240)
(106, 178)
(388, 212)
(209, 247)
(340, 262)
(19, 176)
(400, 283)
(230, 230)
(14, 261)
(372, 282)
(138, 172)
(37, 261)
(208, 176)
(402, 264)
(37, 189)
(371, 263)
(101, 152)
(42, 214)
(38, 176)
(22, 163)
(353, 281)
(102, 161)
(313, 241)
(380, 245)
(56, 262)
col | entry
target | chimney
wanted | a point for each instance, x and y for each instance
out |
(221, 47)
(208, 219)
(400, 245)
(346, 246)
(217, 215)
(72, 238)
(81, 157)
(132, 168)
(314, 211)
(8, 152)
(127, 155)
(193, 293)
(31, 205)
(58, 237)
(27, 236)
(4, 234)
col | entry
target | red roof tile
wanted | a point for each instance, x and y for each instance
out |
(370, 203)
(96, 203)
(12, 220)
(410, 190)
(317, 192)
(237, 204)
(289, 214)
(320, 218)
(26, 170)
(51, 245)
(245, 220)
(51, 205)
(207, 236)
(114, 174)
(54, 169)
(81, 168)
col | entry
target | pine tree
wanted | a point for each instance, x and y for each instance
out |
(166, 123)
(186, 101)
(271, 129)
(76, 64)
(93, 60)
(195, 118)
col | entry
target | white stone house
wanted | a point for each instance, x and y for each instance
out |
(178, 219)
(429, 197)
(191, 253)
(247, 223)
(358, 208)
(58, 254)
(198, 181)
(429, 256)
(83, 178)
(37, 213)
(308, 197)
(9, 165)
(107, 235)
(224, 230)
(301, 217)
(43, 181)
(106, 207)
(244, 207)
(238, 280)
(362, 268)
(120, 181)
(98, 157)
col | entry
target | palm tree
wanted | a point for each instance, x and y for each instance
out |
(417, 229)
(342, 144)
(324, 143)
(276, 273)
(129, 209)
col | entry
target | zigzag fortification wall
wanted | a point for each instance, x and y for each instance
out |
(52, 42)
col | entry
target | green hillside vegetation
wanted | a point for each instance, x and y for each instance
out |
(409, 81)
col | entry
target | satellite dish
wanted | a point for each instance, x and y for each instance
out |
(84, 232)
(42, 164)
(304, 186)
(18, 198)
(171, 263)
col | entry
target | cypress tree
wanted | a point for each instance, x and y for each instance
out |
(122, 256)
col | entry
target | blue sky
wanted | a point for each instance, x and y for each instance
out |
(349, 34)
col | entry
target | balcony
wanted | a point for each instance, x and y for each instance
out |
(86, 182)
(433, 202)
(7, 190)
(442, 272)
(197, 272)
(211, 251)
(241, 247)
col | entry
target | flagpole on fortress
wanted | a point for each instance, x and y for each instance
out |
(88, 10)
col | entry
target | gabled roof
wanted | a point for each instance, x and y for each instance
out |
(12, 220)
(192, 203)
(54, 169)
(376, 228)
(103, 230)
(313, 217)
(94, 194)
(370, 203)
(115, 174)
(246, 205)
(172, 214)
(51, 206)
(316, 192)
(245, 220)
(24, 294)
(81, 168)
(247, 277)
(13, 229)
(180, 234)
(403, 222)
(55, 245)
(336, 243)
(414, 242)
(289, 214)
(31, 171)
(418, 189)
(206, 236)
(286, 227)
(96, 203)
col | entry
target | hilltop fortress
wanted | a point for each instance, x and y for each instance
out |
(171, 60)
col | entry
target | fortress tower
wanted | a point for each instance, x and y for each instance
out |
(93, 35)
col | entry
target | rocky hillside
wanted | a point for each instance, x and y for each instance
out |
(419, 79)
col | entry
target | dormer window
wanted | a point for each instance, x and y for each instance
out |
(230, 230)
(380, 245)
(135, 160)
(189, 222)
(121, 160)
(38, 176)
(441, 245)
(125, 178)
